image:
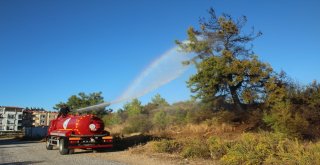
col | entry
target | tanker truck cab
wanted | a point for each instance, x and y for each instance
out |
(77, 131)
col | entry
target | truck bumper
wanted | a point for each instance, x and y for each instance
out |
(92, 146)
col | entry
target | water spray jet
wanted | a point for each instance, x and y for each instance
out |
(161, 71)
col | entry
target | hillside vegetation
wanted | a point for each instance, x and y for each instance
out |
(242, 111)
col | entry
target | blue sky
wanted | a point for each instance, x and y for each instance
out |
(50, 50)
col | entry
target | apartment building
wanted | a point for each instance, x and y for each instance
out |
(27, 118)
(11, 118)
(16, 118)
(51, 116)
(32, 118)
(39, 118)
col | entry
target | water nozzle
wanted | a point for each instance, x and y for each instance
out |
(94, 107)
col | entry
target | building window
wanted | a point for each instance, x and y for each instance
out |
(10, 122)
(43, 116)
(19, 116)
(11, 116)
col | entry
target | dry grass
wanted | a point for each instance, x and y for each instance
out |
(202, 130)
(248, 148)
(147, 152)
(115, 129)
(187, 144)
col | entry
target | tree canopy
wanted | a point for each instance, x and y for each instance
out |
(84, 100)
(226, 65)
(133, 108)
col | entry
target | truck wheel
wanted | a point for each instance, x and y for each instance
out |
(97, 150)
(48, 145)
(63, 146)
(71, 151)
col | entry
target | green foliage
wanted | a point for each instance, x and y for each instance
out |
(284, 121)
(270, 148)
(252, 148)
(111, 119)
(137, 123)
(133, 108)
(177, 117)
(188, 112)
(160, 119)
(156, 102)
(195, 148)
(218, 147)
(174, 114)
(84, 100)
(249, 148)
(293, 152)
(282, 117)
(159, 101)
(167, 146)
(305, 100)
(226, 66)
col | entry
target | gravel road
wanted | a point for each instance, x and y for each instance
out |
(30, 152)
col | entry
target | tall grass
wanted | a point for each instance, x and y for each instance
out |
(249, 148)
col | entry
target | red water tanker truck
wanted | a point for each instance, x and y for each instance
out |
(77, 131)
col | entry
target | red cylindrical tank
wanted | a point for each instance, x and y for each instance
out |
(78, 124)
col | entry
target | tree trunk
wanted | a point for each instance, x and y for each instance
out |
(236, 99)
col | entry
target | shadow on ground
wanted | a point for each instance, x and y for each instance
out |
(13, 141)
(22, 163)
(123, 143)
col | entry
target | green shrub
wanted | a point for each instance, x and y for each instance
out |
(195, 149)
(252, 148)
(138, 123)
(293, 152)
(218, 147)
(270, 148)
(160, 119)
(111, 119)
(282, 119)
(167, 146)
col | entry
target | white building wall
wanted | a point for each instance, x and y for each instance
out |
(11, 120)
(2, 119)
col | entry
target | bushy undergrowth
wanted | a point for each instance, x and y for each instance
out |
(167, 146)
(195, 148)
(218, 147)
(138, 123)
(250, 148)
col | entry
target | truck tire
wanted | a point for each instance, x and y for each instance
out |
(63, 146)
(48, 145)
(97, 150)
(71, 151)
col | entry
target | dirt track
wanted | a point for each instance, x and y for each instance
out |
(30, 152)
